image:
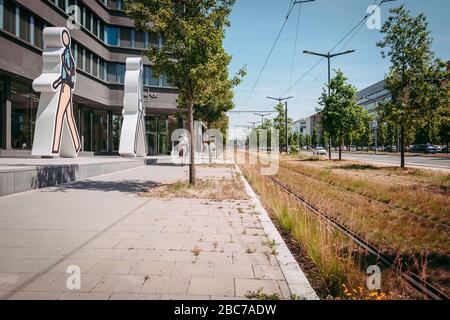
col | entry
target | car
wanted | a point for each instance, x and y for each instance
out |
(418, 148)
(343, 148)
(352, 148)
(390, 148)
(430, 149)
(319, 151)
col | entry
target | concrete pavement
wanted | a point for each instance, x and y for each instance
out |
(128, 247)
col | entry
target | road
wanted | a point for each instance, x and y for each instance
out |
(435, 162)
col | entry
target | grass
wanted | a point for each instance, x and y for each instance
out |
(420, 192)
(221, 189)
(321, 246)
(403, 235)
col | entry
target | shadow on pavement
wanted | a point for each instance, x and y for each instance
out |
(125, 186)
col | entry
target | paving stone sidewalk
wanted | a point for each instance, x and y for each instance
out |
(128, 247)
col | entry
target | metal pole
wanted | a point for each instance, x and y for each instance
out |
(329, 94)
(286, 126)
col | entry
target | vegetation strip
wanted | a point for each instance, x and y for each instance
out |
(392, 206)
(412, 278)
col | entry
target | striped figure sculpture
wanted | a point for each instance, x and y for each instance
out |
(56, 132)
(133, 142)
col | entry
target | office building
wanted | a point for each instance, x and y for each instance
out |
(100, 47)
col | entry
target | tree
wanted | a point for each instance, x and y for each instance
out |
(340, 114)
(308, 141)
(415, 79)
(323, 140)
(279, 122)
(193, 58)
(314, 138)
(301, 141)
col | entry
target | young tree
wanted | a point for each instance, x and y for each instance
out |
(301, 141)
(193, 57)
(323, 140)
(415, 78)
(279, 122)
(315, 138)
(340, 114)
(308, 141)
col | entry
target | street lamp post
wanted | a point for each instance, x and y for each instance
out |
(329, 56)
(285, 118)
(262, 115)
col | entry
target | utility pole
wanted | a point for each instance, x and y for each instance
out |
(262, 115)
(329, 56)
(286, 135)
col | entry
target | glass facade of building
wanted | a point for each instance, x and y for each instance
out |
(99, 126)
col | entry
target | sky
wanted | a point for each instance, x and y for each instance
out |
(256, 23)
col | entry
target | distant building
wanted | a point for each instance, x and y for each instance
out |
(306, 125)
(370, 97)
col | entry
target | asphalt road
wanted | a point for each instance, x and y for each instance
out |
(435, 162)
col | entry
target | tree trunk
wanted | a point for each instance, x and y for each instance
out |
(402, 146)
(192, 144)
(340, 148)
(329, 149)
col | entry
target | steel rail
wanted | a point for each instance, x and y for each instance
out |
(411, 278)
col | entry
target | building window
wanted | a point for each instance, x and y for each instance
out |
(125, 37)
(24, 26)
(9, 16)
(38, 30)
(95, 66)
(149, 79)
(121, 73)
(24, 103)
(80, 57)
(87, 67)
(139, 39)
(112, 73)
(111, 33)
(102, 70)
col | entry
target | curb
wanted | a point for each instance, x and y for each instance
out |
(297, 282)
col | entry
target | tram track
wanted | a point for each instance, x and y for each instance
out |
(411, 278)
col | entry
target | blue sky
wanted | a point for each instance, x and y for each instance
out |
(255, 24)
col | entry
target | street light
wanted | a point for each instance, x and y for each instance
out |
(262, 115)
(285, 118)
(253, 123)
(329, 56)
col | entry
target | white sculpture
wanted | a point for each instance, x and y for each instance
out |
(133, 142)
(56, 132)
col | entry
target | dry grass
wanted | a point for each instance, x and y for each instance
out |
(337, 258)
(421, 192)
(422, 243)
(220, 189)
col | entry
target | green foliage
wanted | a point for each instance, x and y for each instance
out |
(340, 114)
(308, 140)
(301, 140)
(314, 138)
(415, 79)
(192, 58)
(279, 122)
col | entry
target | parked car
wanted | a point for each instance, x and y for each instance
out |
(352, 148)
(390, 148)
(418, 148)
(319, 151)
(431, 149)
(343, 148)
